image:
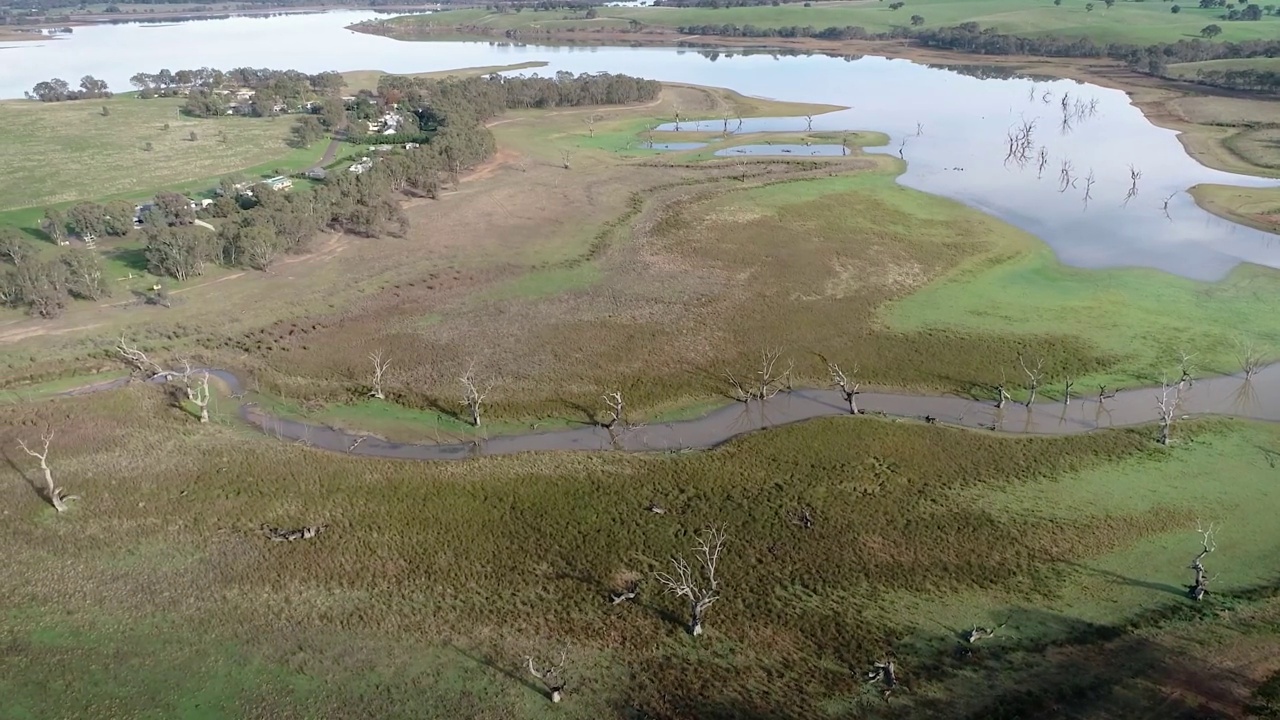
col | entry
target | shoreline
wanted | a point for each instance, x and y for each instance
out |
(1153, 96)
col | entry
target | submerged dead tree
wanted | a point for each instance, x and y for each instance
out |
(1199, 586)
(472, 396)
(848, 387)
(700, 586)
(380, 366)
(1134, 176)
(551, 677)
(1249, 357)
(51, 492)
(1065, 178)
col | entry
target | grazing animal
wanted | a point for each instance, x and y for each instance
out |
(303, 533)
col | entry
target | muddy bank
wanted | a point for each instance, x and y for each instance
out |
(1225, 396)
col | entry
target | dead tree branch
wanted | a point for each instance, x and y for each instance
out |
(700, 586)
(1249, 357)
(884, 672)
(137, 360)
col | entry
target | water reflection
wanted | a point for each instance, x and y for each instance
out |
(950, 124)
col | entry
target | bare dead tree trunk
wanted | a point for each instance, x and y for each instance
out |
(1042, 161)
(919, 129)
(769, 380)
(1065, 180)
(701, 587)
(809, 123)
(199, 396)
(614, 414)
(1066, 393)
(1134, 176)
(1167, 403)
(473, 397)
(1034, 376)
(52, 492)
(379, 368)
(1200, 584)
(565, 158)
(1089, 181)
(550, 677)
(848, 387)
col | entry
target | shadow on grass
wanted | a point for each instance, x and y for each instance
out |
(132, 258)
(481, 659)
(1131, 582)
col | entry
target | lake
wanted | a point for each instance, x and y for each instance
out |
(952, 126)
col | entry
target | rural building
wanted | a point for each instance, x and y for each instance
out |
(317, 173)
(278, 182)
(364, 164)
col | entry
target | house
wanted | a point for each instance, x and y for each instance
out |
(364, 164)
(380, 148)
(410, 146)
(278, 182)
(317, 173)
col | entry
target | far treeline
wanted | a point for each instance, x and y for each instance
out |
(971, 38)
(262, 224)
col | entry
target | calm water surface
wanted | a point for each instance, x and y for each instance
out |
(950, 127)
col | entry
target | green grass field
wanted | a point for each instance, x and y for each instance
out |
(70, 151)
(433, 581)
(1188, 70)
(1125, 22)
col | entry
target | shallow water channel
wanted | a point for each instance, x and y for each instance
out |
(1230, 396)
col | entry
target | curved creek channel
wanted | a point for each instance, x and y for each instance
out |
(1229, 396)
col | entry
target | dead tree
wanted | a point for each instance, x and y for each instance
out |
(741, 164)
(700, 586)
(884, 672)
(1002, 393)
(52, 493)
(380, 366)
(1165, 206)
(551, 677)
(198, 393)
(848, 388)
(1042, 161)
(590, 120)
(616, 411)
(138, 361)
(565, 158)
(1167, 403)
(1187, 367)
(804, 518)
(1034, 375)
(1200, 584)
(473, 397)
(808, 123)
(919, 129)
(1249, 357)
(768, 382)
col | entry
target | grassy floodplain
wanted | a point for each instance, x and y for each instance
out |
(433, 581)
(1128, 22)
